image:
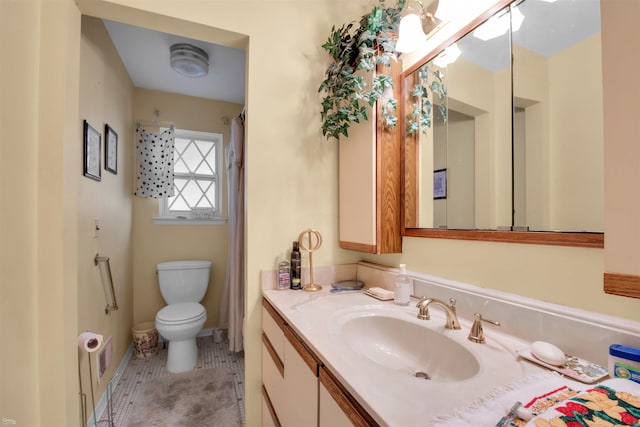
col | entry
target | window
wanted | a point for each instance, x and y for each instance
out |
(197, 165)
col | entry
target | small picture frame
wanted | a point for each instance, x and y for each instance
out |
(440, 184)
(91, 152)
(110, 149)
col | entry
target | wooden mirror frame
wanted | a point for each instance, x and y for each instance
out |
(575, 239)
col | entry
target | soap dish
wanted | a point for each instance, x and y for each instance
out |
(380, 293)
(574, 367)
(347, 285)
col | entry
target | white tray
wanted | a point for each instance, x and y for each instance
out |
(574, 367)
(378, 297)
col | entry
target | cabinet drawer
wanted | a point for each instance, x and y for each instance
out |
(273, 328)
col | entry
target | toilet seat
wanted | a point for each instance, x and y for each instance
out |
(175, 314)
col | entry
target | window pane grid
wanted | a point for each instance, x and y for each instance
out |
(195, 174)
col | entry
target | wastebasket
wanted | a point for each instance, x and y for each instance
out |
(145, 340)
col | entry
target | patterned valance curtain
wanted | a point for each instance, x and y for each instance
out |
(154, 163)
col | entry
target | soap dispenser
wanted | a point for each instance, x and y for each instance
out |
(403, 287)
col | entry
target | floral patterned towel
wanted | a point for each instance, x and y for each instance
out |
(614, 402)
(488, 409)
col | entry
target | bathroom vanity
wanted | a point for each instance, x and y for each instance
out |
(347, 359)
(305, 393)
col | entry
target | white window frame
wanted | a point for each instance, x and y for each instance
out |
(184, 217)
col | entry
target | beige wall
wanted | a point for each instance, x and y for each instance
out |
(291, 185)
(158, 243)
(39, 167)
(106, 97)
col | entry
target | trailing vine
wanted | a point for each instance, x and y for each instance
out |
(353, 47)
(420, 117)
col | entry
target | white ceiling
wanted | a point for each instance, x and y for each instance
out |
(547, 29)
(145, 54)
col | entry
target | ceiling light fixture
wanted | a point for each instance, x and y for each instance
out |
(189, 60)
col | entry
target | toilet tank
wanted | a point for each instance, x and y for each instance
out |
(183, 281)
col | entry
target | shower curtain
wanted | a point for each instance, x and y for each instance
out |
(232, 303)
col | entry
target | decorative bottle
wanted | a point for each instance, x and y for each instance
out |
(403, 287)
(296, 267)
(284, 274)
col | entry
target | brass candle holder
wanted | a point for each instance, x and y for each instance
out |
(310, 247)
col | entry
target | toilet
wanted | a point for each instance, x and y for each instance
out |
(183, 285)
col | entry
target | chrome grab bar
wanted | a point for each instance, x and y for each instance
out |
(103, 260)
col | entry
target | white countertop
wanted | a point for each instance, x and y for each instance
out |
(394, 398)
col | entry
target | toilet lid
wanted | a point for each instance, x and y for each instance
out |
(181, 313)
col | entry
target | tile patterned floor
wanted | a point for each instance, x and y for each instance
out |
(140, 371)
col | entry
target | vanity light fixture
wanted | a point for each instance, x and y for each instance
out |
(410, 33)
(448, 10)
(189, 60)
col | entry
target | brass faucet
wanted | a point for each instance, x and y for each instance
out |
(449, 309)
(476, 334)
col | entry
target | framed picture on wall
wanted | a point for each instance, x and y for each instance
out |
(91, 152)
(440, 184)
(110, 149)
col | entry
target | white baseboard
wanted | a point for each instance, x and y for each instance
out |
(102, 402)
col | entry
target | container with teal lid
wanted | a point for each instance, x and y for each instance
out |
(624, 362)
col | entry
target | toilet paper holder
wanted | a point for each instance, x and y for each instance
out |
(103, 260)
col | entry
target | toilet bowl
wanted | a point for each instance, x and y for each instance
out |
(183, 285)
(180, 324)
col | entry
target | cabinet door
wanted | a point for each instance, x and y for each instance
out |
(331, 415)
(357, 186)
(337, 407)
(300, 384)
(370, 179)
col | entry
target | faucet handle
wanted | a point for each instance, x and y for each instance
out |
(476, 334)
(423, 306)
(452, 304)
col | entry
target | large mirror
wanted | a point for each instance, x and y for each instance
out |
(515, 141)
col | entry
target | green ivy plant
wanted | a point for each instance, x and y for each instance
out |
(420, 116)
(359, 46)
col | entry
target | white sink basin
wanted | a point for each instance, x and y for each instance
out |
(399, 345)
